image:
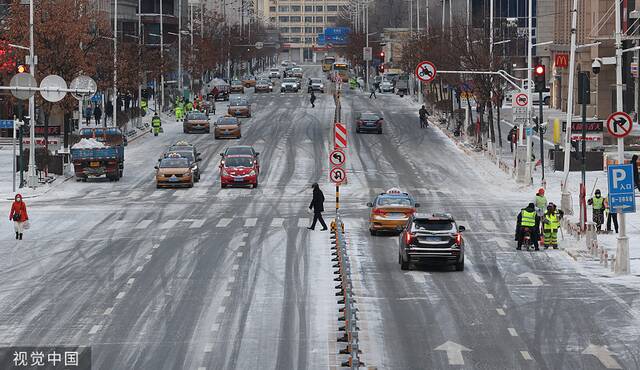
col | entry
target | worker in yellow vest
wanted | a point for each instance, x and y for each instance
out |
(550, 225)
(598, 206)
(528, 220)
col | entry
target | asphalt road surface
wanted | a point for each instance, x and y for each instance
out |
(206, 278)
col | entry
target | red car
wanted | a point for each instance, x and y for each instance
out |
(239, 170)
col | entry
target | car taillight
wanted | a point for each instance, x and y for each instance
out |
(359, 122)
(458, 240)
(409, 238)
(378, 212)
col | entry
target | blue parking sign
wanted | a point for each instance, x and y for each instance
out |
(622, 198)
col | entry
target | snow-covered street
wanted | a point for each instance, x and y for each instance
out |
(211, 278)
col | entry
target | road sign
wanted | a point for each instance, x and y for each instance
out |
(84, 83)
(621, 188)
(259, 45)
(53, 82)
(23, 80)
(426, 71)
(337, 175)
(340, 135)
(337, 158)
(367, 54)
(619, 124)
(521, 100)
(519, 104)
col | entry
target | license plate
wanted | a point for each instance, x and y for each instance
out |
(94, 164)
(238, 179)
(173, 179)
(396, 215)
(432, 238)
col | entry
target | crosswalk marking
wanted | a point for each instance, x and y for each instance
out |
(196, 224)
(277, 222)
(119, 224)
(250, 222)
(303, 222)
(169, 224)
(224, 222)
(489, 225)
(143, 224)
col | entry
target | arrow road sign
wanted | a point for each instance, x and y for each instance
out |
(533, 278)
(454, 352)
(622, 197)
(426, 71)
(337, 175)
(603, 354)
(619, 124)
(337, 158)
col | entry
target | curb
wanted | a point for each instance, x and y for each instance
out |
(49, 188)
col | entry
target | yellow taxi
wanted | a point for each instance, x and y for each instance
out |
(390, 211)
(174, 171)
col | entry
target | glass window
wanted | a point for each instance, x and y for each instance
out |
(331, 19)
(283, 8)
(433, 225)
(319, 8)
(295, 29)
(295, 19)
(320, 19)
(308, 8)
(309, 30)
(272, 9)
(295, 39)
(319, 29)
(283, 19)
(284, 29)
(308, 20)
(296, 8)
(394, 201)
(174, 163)
(332, 8)
(309, 40)
(238, 162)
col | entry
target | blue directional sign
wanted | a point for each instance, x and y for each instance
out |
(622, 198)
(6, 123)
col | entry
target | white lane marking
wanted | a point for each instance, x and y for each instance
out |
(244, 235)
(500, 311)
(526, 355)
(227, 293)
(215, 326)
(221, 310)
(477, 277)
(130, 281)
(95, 329)
(169, 224)
(241, 244)
(120, 295)
(454, 352)
(603, 354)
(418, 277)
(148, 256)
(224, 222)
(155, 246)
(197, 224)
(143, 224)
(513, 332)
(202, 368)
(116, 225)
(489, 225)
(231, 279)
(235, 267)
(239, 254)
(108, 311)
(208, 347)
(250, 222)
(139, 269)
(277, 222)
(489, 296)
(303, 222)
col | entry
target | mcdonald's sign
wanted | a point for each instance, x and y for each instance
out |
(562, 60)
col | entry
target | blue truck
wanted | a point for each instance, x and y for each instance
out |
(107, 161)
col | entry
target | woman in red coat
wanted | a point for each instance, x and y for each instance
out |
(18, 215)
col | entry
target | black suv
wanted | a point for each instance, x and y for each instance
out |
(432, 238)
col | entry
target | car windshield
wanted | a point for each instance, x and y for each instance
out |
(238, 162)
(263, 82)
(394, 201)
(174, 163)
(275, 70)
(316, 81)
(236, 82)
(183, 153)
(238, 102)
(239, 150)
(228, 121)
(369, 117)
(196, 115)
(433, 225)
(290, 80)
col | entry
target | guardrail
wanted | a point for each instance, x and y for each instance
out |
(348, 313)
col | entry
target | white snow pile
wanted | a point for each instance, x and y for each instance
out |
(90, 143)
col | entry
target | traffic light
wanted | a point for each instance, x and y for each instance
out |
(539, 78)
(382, 55)
(381, 68)
(22, 68)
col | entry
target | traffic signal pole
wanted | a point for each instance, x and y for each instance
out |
(32, 178)
(541, 133)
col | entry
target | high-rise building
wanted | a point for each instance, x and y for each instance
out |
(299, 23)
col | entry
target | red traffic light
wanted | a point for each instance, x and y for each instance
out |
(382, 54)
(539, 70)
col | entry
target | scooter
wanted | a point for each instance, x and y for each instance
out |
(526, 239)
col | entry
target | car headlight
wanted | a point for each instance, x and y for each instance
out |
(252, 173)
(194, 168)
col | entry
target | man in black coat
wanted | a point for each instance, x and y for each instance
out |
(317, 204)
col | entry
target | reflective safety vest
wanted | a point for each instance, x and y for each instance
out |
(143, 104)
(155, 122)
(598, 203)
(541, 201)
(552, 221)
(528, 219)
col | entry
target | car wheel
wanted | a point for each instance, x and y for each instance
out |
(255, 185)
(373, 232)
(379, 131)
(357, 130)
(403, 265)
(546, 100)
(184, 130)
(223, 186)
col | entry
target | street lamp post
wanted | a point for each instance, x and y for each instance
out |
(32, 179)
(115, 63)
(180, 77)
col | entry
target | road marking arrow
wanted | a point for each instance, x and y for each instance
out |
(454, 352)
(533, 278)
(603, 354)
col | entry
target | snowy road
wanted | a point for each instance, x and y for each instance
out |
(206, 278)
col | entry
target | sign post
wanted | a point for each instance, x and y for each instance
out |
(519, 104)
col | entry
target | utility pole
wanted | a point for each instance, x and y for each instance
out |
(565, 202)
(529, 90)
(32, 179)
(427, 15)
(140, 68)
(490, 61)
(622, 263)
(180, 76)
(161, 57)
(191, 50)
(115, 64)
